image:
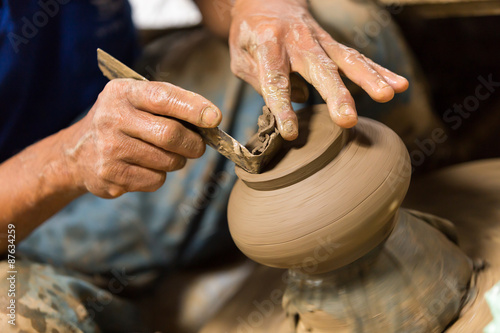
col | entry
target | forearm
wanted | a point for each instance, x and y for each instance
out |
(36, 183)
(216, 15)
(127, 142)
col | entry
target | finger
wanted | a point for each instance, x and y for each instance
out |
(300, 92)
(165, 99)
(145, 155)
(164, 133)
(320, 71)
(354, 66)
(243, 66)
(152, 180)
(134, 178)
(397, 82)
(274, 72)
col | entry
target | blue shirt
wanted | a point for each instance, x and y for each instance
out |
(48, 66)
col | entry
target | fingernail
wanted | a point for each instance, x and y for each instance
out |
(289, 128)
(347, 111)
(210, 116)
(382, 84)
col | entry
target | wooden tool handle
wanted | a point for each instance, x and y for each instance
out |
(214, 137)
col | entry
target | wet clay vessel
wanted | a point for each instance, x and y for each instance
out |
(333, 187)
(327, 209)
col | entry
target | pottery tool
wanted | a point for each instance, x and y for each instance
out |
(252, 157)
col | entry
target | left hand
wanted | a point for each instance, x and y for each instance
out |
(269, 39)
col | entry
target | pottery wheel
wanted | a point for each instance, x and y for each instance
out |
(467, 194)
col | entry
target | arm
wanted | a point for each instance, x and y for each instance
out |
(216, 15)
(125, 143)
(36, 183)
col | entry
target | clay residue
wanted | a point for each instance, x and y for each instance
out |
(229, 147)
(257, 153)
(267, 131)
(265, 145)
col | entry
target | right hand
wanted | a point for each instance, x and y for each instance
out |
(269, 39)
(129, 140)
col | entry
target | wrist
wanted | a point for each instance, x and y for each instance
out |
(303, 3)
(36, 184)
(266, 7)
(67, 161)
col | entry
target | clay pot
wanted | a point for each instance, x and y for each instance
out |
(327, 200)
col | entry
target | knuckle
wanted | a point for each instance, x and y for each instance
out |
(125, 177)
(170, 134)
(157, 95)
(199, 148)
(110, 86)
(235, 66)
(268, 32)
(194, 148)
(276, 79)
(101, 98)
(157, 181)
(107, 115)
(105, 171)
(351, 55)
(181, 163)
(115, 191)
(116, 86)
(324, 73)
(175, 163)
(108, 165)
(107, 149)
(103, 122)
(324, 63)
(330, 66)
(275, 86)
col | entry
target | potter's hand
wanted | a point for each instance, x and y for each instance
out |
(130, 139)
(269, 39)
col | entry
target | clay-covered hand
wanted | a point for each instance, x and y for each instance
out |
(131, 138)
(269, 39)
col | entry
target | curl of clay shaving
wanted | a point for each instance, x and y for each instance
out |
(267, 131)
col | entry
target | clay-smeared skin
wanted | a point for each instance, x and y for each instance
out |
(347, 206)
(271, 39)
(323, 144)
(125, 143)
(131, 147)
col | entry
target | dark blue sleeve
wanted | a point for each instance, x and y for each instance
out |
(48, 66)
